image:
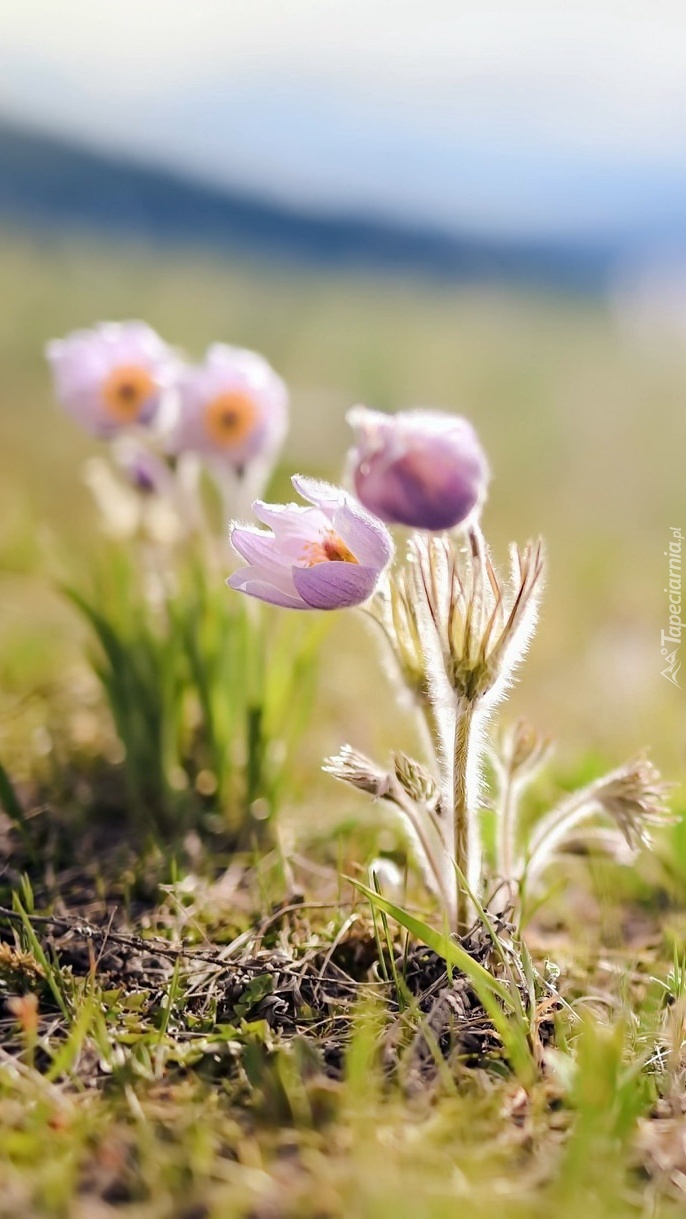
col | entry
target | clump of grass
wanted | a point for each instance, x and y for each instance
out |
(137, 1070)
(207, 699)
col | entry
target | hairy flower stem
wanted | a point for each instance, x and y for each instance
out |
(465, 832)
(433, 860)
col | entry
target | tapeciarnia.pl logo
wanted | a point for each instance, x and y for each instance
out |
(670, 640)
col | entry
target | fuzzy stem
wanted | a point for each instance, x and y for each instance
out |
(411, 812)
(554, 828)
(465, 841)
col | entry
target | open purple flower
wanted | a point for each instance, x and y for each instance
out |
(112, 377)
(233, 407)
(329, 555)
(422, 468)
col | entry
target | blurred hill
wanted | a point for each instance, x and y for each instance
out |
(55, 185)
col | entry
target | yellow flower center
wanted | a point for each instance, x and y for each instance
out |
(230, 417)
(331, 549)
(126, 390)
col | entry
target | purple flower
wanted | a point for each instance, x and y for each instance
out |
(327, 556)
(233, 407)
(113, 376)
(419, 468)
(142, 467)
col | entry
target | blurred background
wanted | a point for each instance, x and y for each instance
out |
(479, 207)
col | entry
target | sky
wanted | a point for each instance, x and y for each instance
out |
(510, 117)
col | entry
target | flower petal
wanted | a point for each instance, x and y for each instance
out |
(322, 494)
(294, 524)
(301, 562)
(330, 586)
(258, 546)
(260, 582)
(364, 534)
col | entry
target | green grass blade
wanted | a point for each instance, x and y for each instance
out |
(487, 922)
(51, 971)
(489, 990)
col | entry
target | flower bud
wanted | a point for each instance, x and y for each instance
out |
(423, 469)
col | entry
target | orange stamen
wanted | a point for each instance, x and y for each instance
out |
(331, 549)
(126, 390)
(230, 417)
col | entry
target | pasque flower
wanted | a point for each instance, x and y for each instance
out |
(421, 468)
(113, 376)
(233, 407)
(137, 493)
(474, 630)
(328, 555)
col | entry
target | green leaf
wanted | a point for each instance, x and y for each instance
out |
(52, 972)
(256, 990)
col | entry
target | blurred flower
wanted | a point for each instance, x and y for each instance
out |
(424, 469)
(137, 493)
(233, 407)
(142, 468)
(24, 1008)
(521, 752)
(113, 376)
(327, 556)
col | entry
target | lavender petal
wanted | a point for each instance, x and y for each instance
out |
(260, 583)
(330, 586)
